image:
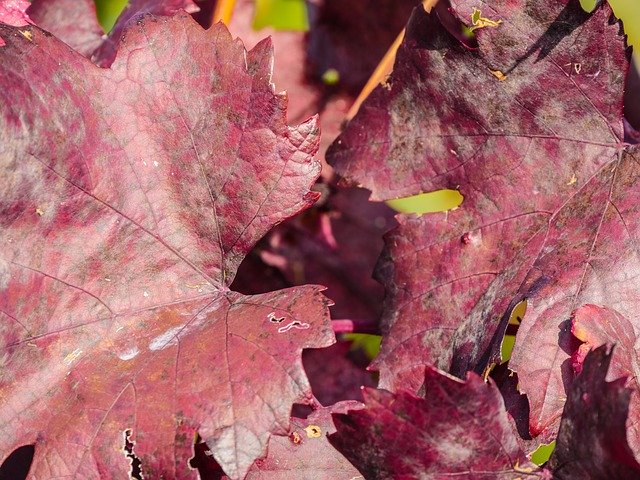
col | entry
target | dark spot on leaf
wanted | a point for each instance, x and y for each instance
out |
(16, 466)
(136, 471)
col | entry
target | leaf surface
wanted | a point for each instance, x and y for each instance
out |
(14, 12)
(592, 441)
(458, 429)
(128, 198)
(75, 23)
(304, 453)
(548, 209)
(72, 21)
(597, 326)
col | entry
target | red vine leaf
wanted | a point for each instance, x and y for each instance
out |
(72, 21)
(128, 198)
(13, 12)
(304, 453)
(592, 441)
(597, 326)
(459, 428)
(75, 23)
(548, 209)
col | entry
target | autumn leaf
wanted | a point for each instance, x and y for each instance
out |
(549, 191)
(457, 429)
(592, 441)
(72, 21)
(597, 326)
(304, 453)
(75, 23)
(128, 198)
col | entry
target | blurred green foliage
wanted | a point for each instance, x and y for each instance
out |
(438, 201)
(370, 344)
(281, 15)
(542, 454)
(108, 11)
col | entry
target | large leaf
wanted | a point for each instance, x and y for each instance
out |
(548, 188)
(458, 429)
(128, 198)
(592, 441)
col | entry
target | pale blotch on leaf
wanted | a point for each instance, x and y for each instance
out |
(478, 21)
(313, 431)
(430, 202)
(294, 324)
(498, 74)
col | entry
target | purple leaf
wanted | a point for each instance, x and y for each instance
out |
(72, 21)
(458, 429)
(548, 203)
(592, 439)
(128, 198)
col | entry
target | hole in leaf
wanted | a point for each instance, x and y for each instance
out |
(541, 455)
(588, 5)
(430, 202)
(203, 461)
(313, 431)
(16, 466)
(136, 471)
(509, 340)
(108, 12)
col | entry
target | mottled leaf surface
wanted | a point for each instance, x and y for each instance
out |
(75, 23)
(596, 326)
(548, 211)
(72, 21)
(592, 441)
(13, 12)
(128, 198)
(458, 429)
(305, 453)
